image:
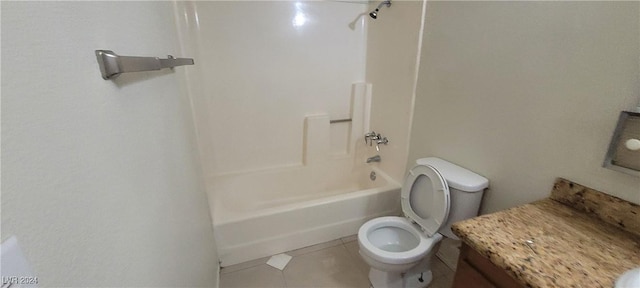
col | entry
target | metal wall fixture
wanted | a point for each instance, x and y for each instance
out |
(373, 136)
(370, 137)
(623, 154)
(340, 120)
(374, 159)
(374, 13)
(384, 141)
(112, 65)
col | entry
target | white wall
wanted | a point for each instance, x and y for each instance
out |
(393, 43)
(267, 65)
(523, 92)
(100, 179)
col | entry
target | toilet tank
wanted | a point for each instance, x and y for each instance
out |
(465, 188)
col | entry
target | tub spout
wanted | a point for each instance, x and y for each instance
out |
(373, 159)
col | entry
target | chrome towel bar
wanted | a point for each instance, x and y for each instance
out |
(112, 65)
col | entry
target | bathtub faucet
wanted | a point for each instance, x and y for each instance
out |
(371, 135)
(374, 159)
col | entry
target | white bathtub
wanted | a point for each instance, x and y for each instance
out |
(265, 213)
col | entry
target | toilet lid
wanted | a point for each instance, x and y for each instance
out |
(425, 198)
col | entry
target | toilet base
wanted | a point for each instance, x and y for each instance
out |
(407, 279)
(381, 279)
(413, 280)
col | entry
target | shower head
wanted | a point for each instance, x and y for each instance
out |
(374, 13)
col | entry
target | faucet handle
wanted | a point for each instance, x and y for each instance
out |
(376, 138)
(368, 136)
(381, 141)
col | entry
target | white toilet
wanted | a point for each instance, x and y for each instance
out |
(435, 194)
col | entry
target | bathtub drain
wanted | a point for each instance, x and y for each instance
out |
(372, 176)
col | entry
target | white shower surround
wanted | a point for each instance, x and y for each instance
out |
(270, 192)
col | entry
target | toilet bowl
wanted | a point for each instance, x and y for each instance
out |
(393, 243)
(399, 249)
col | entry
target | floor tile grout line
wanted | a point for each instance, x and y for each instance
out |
(326, 248)
(355, 238)
(449, 273)
(352, 261)
(355, 258)
(265, 262)
(245, 268)
(284, 279)
(313, 250)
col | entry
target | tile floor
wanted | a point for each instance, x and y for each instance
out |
(332, 264)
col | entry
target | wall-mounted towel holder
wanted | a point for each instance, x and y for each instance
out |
(112, 65)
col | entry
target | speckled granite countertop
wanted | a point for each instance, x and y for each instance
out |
(573, 245)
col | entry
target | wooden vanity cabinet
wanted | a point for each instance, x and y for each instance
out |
(474, 270)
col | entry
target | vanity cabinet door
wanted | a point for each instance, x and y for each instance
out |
(466, 276)
(476, 271)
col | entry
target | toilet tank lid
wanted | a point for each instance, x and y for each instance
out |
(456, 176)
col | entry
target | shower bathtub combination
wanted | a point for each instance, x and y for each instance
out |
(328, 196)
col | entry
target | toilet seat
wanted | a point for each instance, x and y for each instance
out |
(409, 256)
(425, 198)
